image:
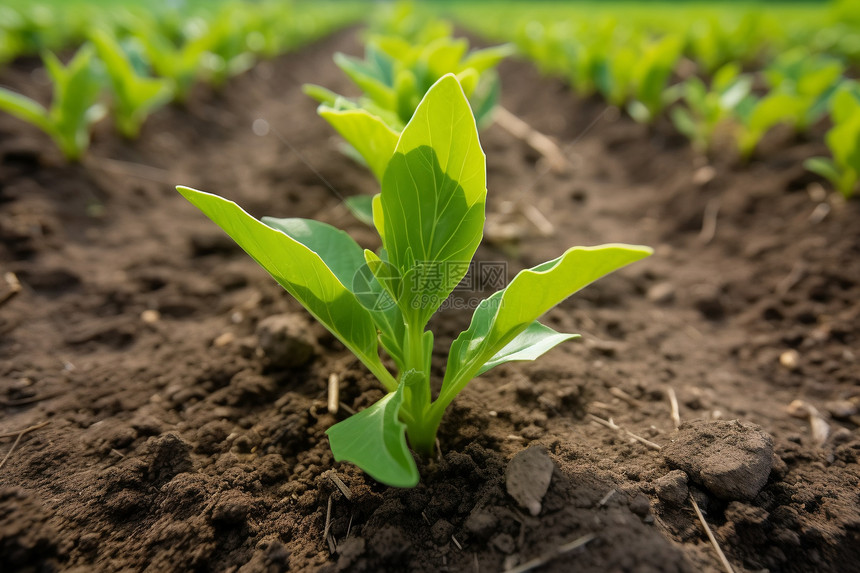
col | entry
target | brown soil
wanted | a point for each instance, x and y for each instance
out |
(174, 443)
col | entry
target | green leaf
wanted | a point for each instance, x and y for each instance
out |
(303, 273)
(501, 318)
(74, 107)
(488, 58)
(368, 80)
(375, 439)
(536, 340)
(368, 134)
(336, 248)
(135, 96)
(361, 207)
(433, 197)
(25, 109)
(320, 94)
(684, 122)
(824, 167)
(347, 261)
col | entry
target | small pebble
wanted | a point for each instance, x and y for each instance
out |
(224, 340)
(481, 524)
(150, 316)
(661, 293)
(441, 532)
(790, 359)
(527, 477)
(842, 409)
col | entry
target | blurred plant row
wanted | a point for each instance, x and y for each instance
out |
(728, 73)
(131, 59)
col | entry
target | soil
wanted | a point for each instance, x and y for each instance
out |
(176, 442)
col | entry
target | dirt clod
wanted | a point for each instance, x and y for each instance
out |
(168, 456)
(672, 488)
(732, 460)
(481, 524)
(285, 341)
(527, 477)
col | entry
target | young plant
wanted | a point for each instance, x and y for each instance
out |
(651, 74)
(802, 86)
(181, 62)
(394, 76)
(135, 96)
(74, 107)
(843, 139)
(706, 110)
(430, 217)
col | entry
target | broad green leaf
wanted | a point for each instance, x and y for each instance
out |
(346, 259)
(533, 342)
(303, 273)
(368, 134)
(375, 440)
(336, 248)
(503, 316)
(433, 197)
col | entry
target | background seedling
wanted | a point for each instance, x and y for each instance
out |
(74, 107)
(135, 96)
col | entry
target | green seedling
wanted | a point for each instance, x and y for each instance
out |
(843, 140)
(181, 62)
(430, 217)
(227, 52)
(135, 96)
(713, 43)
(706, 110)
(651, 74)
(74, 107)
(802, 86)
(394, 76)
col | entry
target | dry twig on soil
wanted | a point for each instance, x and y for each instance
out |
(726, 565)
(333, 393)
(613, 426)
(535, 139)
(709, 221)
(673, 403)
(344, 489)
(549, 556)
(20, 434)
